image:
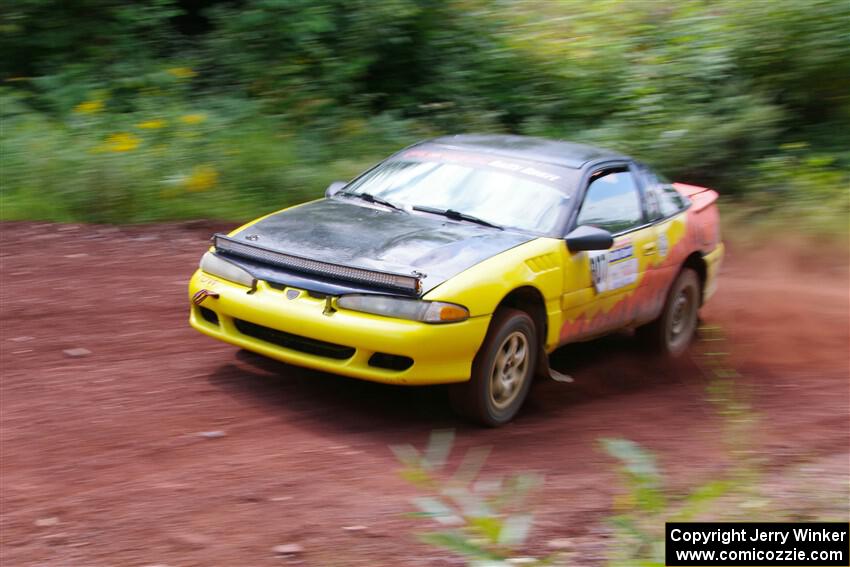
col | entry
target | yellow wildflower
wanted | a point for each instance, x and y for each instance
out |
(89, 107)
(193, 118)
(182, 72)
(203, 177)
(154, 124)
(121, 142)
(624, 502)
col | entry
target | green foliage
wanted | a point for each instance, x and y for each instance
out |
(170, 161)
(803, 189)
(45, 37)
(684, 86)
(640, 472)
(709, 92)
(649, 502)
(641, 513)
(485, 522)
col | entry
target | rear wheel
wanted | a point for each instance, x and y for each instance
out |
(501, 372)
(674, 329)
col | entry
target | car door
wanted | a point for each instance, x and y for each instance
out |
(601, 288)
(666, 209)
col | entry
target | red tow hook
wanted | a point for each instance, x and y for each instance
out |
(200, 296)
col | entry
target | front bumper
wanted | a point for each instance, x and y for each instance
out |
(300, 331)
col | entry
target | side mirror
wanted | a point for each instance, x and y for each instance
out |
(589, 238)
(334, 188)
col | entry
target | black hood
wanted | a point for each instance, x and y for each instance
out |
(344, 233)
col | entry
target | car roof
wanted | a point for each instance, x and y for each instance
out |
(556, 152)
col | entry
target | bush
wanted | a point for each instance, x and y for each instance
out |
(484, 521)
(167, 160)
(292, 91)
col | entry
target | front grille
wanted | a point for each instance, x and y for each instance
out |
(398, 282)
(390, 361)
(294, 342)
(282, 287)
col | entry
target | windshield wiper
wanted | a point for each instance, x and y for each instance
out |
(369, 198)
(456, 215)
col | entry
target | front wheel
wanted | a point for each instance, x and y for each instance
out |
(501, 372)
(674, 330)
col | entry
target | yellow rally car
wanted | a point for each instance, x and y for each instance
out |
(466, 260)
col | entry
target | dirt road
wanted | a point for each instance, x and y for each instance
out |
(104, 461)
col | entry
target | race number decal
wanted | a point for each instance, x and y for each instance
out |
(599, 269)
(612, 269)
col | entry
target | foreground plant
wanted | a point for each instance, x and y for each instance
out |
(641, 513)
(484, 521)
(487, 522)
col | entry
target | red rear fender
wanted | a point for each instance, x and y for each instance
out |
(705, 217)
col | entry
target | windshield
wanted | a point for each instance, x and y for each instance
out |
(504, 192)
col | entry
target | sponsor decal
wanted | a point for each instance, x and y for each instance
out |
(613, 269)
(619, 254)
(663, 245)
(519, 168)
(207, 281)
(538, 172)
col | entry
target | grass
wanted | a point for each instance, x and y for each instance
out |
(173, 158)
(176, 163)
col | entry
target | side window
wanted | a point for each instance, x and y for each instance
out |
(670, 201)
(612, 202)
(662, 198)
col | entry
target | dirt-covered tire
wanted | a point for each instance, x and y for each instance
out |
(502, 371)
(674, 329)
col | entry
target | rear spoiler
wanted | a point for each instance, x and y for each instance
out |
(701, 197)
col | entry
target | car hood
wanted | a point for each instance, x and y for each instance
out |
(344, 233)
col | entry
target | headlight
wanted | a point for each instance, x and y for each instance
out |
(400, 308)
(213, 265)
